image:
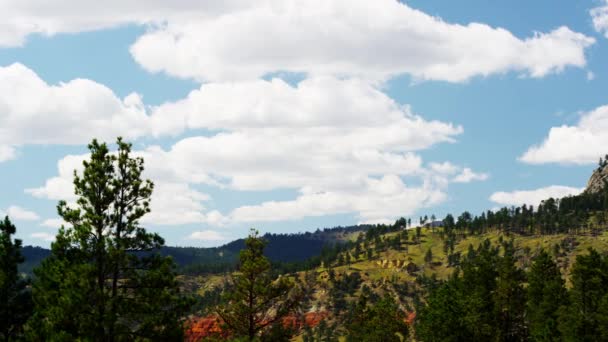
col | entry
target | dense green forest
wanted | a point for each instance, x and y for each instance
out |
(515, 274)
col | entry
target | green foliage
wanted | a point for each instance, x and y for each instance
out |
(322, 333)
(256, 300)
(428, 257)
(463, 308)
(15, 298)
(104, 279)
(442, 319)
(584, 318)
(546, 292)
(510, 298)
(381, 322)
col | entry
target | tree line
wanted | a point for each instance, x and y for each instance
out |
(490, 298)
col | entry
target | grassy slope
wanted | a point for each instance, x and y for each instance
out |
(431, 240)
(372, 272)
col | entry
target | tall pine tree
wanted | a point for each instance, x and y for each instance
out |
(256, 300)
(510, 298)
(15, 297)
(581, 319)
(546, 292)
(104, 280)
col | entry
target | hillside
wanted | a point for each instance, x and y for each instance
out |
(411, 265)
(281, 248)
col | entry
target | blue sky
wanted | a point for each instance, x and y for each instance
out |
(288, 116)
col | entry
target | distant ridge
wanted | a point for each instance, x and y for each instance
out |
(286, 248)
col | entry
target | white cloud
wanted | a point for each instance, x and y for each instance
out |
(533, 197)
(376, 201)
(278, 136)
(583, 143)
(600, 18)
(314, 102)
(207, 235)
(377, 40)
(445, 168)
(7, 153)
(20, 214)
(34, 112)
(328, 139)
(43, 236)
(235, 39)
(467, 175)
(20, 18)
(55, 223)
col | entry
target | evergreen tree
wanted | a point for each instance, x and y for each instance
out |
(383, 321)
(256, 300)
(15, 298)
(581, 320)
(510, 298)
(546, 292)
(443, 317)
(479, 274)
(104, 280)
(428, 257)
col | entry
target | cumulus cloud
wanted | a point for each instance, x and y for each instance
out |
(376, 201)
(20, 18)
(18, 213)
(467, 175)
(34, 112)
(314, 102)
(43, 236)
(53, 223)
(330, 139)
(236, 39)
(599, 15)
(533, 197)
(377, 40)
(275, 135)
(583, 143)
(6, 153)
(207, 235)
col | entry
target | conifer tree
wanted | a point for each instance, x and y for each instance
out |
(428, 257)
(104, 279)
(546, 292)
(15, 297)
(256, 300)
(581, 319)
(510, 298)
(383, 321)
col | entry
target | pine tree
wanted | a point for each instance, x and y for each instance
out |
(510, 298)
(443, 317)
(383, 321)
(428, 257)
(15, 297)
(256, 300)
(546, 292)
(104, 279)
(581, 319)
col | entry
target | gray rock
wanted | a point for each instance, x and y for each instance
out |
(597, 180)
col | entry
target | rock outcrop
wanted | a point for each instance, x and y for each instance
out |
(198, 328)
(598, 179)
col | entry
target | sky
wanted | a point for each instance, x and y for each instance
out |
(290, 115)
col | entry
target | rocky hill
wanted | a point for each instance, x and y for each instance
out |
(598, 178)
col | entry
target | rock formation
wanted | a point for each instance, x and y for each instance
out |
(598, 179)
